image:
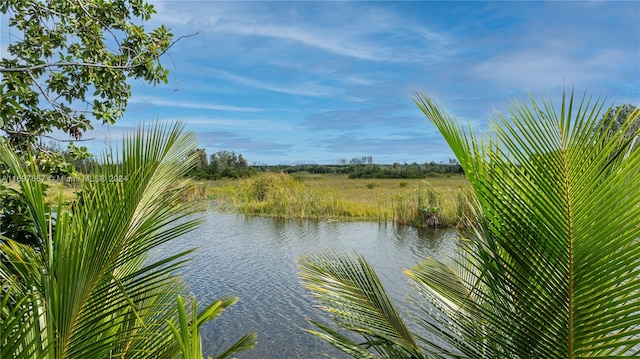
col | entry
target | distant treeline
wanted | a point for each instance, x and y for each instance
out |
(396, 170)
(225, 164)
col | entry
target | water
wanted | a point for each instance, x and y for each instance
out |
(255, 260)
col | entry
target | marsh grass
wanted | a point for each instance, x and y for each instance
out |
(68, 191)
(436, 202)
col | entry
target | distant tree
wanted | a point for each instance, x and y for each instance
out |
(201, 168)
(241, 163)
(202, 159)
(616, 116)
(227, 164)
(219, 161)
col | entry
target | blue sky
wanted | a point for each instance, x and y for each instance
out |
(312, 82)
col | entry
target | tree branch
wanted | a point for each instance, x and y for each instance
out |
(27, 133)
(46, 96)
(89, 64)
(84, 9)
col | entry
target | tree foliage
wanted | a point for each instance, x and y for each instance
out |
(68, 62)
(413, 170)
(222, 164)
(223, 161)
(615, 117)
(553, 269)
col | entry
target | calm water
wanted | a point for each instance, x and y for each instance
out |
(255, 260)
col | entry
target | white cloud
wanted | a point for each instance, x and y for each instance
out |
(359, 80)
(307, 88)
(325, 40)
(352, 30)
(192, 105)
(545, 67)
(236, 124)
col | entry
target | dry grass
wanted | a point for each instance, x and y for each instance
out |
(67, 191)
(55, 190)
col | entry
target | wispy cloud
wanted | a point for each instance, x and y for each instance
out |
(372, 117)
(234, 142)
(261, 125)
(541, 67)
(326, 42)
(151, 101)
(304, 88)
(352, 30)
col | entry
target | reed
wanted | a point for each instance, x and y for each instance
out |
(284, 196)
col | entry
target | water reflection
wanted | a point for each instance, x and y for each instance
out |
(255, 259)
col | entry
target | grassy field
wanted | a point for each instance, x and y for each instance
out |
(67, 191)
(54, 190)
(435, 201)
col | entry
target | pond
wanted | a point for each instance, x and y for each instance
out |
(255, 260)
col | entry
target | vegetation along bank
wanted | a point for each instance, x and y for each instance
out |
(435, 201)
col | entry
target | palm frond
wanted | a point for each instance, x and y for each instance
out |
(553, 269)
(340, 341)
(98, 293)
(560, 208)
(187, 332)
(246, 342)
(348, 288)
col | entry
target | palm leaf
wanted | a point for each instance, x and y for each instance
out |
(551, 271)
(89, 290)
(340, 341)
(187, 332)
(559, 219)
(246, 342)
(348, 288)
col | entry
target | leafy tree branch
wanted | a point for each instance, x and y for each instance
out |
(68, 64)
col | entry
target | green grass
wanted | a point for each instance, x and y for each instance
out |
(68, 190)
(436, 201)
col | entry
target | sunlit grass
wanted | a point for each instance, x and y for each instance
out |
(68, 190)
(55, 190)
(437, 201)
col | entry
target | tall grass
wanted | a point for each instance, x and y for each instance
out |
(284, 196)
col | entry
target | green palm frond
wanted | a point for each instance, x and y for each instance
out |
(348, 288)
(89, 290)
(557, 264)
(246, 342)
(341, 341)
(187, 332)
(553, 269)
